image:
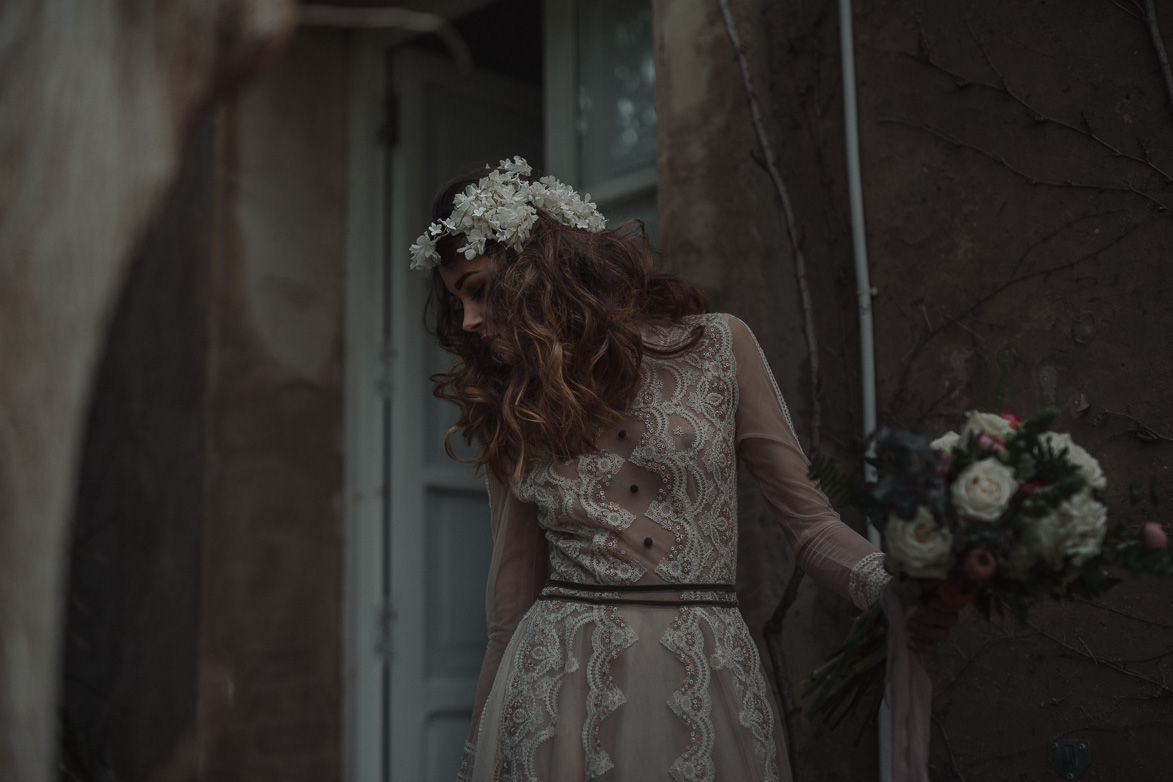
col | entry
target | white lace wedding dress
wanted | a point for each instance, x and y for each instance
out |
(616, 650)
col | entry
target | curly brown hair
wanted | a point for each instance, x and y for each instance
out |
(566, 313)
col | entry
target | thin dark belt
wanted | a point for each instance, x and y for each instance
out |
(730, 602)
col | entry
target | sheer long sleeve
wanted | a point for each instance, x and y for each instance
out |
(829, 551)
(516, 576)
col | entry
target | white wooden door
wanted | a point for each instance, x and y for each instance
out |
(446, 121)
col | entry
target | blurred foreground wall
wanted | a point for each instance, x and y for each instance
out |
(1016, 181)
(96, 103)
(205, 600)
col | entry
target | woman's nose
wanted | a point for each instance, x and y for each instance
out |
(474, 319)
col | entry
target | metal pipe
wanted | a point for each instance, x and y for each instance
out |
(864, 294)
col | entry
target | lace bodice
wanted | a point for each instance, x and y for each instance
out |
(657, 502)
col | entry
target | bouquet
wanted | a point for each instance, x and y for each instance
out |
(1004, 514)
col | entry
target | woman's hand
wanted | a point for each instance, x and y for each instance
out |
(929, 624)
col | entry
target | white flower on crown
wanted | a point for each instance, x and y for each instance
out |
(502, 207)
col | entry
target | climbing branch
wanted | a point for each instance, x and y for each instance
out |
(952, 320)
(1002, 87)
(1114, 665)
(792, 233)
(1150, 17)
(1031, 179)
(1123, 613)
(1142, 430)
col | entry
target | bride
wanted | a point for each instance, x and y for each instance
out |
(610, 411)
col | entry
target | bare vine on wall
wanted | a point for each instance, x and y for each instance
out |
(1001, 86)
(792, 233)
(1096, 240)
(791, 710)
(1157, 184)
(1147, 13)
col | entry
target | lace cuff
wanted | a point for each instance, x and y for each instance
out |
(465, 772)
(868, 579)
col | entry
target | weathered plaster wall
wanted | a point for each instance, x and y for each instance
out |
(131, 662)
(722, 225)
(97, 101)
(205, 633)
(997, 219)
(971, 251)
(271, 629)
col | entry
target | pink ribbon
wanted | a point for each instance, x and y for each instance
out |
(908, 691)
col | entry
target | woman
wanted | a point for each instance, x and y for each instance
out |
(610, 411)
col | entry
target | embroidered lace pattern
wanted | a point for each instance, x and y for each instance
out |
(531, 705)
(735, 651)
(695, 394)
(466, 759)
(545, 658)
(686, 406)
(610, 636)
(591, 558)
(868, 579)
(657, 505)
(691, 702)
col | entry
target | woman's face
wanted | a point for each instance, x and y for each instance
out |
(468, 280)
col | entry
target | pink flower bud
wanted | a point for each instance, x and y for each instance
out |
(980, 565)
(1011, 419)
(1028, 489)
(988, 442)
(1154, 535)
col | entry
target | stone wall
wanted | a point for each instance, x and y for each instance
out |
(1015, 193)
(272, 589)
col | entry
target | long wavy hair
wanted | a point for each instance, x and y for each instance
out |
(565, 313)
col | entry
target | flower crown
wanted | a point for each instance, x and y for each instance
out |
(503, 207)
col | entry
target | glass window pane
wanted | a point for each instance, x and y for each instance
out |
(616, 90)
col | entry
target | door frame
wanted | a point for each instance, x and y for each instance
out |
(365, 508)
(382, 366)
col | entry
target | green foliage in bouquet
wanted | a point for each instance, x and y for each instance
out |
(853, 676)
(840, 488)
(908, 476)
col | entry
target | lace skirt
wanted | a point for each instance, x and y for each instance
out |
(648, 687)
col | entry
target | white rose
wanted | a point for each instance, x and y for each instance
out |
(983, 490)
(1073, 532)
(946, 443)
(919, 547)
(1086, 524)
(1084, 462)
(985, 423)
